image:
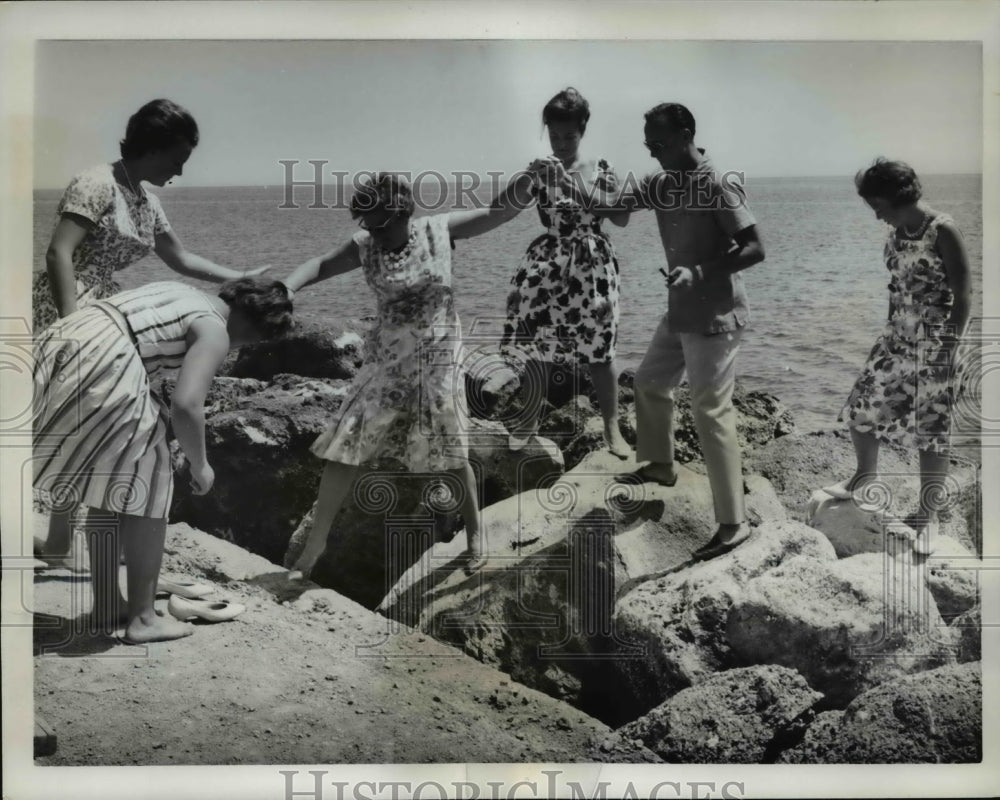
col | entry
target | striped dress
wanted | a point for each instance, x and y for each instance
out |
(100, 434)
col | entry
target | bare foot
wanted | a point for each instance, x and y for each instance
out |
(658, 472)
(474, 554)
(112, 618)
(616, 443)
(156, 629)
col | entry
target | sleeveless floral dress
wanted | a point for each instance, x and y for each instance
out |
(408, 400)
(125, 225)
(906, 391)
(564, 305)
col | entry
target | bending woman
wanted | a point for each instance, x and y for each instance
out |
(105, 222)
(100, 434)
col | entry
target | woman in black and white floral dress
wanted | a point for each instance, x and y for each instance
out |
(906, 391)
(105, 222)
(564, 305)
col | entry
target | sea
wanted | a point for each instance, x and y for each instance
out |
(817, 302)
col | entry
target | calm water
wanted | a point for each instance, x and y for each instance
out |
(817, 302)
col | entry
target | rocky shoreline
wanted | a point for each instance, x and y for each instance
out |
(823, 639)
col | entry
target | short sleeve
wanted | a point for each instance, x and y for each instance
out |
(363, 240)
(731, 208)
(160, 222)
(89, 195)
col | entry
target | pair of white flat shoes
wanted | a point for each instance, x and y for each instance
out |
(187, 601)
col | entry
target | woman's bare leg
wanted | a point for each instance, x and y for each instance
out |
(143, 539)
(605, 379)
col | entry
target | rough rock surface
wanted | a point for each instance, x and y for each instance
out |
(680, 617)
(542, 608)
(732, 717)
(312, 351)
(969, 626)
(934, 717)
(303, 676)
(845, 625)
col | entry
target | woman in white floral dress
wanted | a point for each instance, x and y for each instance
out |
(906, 391)
(105, 222)
(564, 305)
(408, 400)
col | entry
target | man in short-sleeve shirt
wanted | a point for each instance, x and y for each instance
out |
(709, 236)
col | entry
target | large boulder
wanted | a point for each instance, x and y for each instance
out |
(311, 350)
(265, 476)
(935, 717)
(392, 516)
(952, 574)
(732, 717)
(680, 616)
(542, 608)
(845, 625)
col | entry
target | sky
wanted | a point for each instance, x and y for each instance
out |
(770, 108)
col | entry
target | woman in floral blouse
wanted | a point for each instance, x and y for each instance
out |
(408, 400)
(107, 221)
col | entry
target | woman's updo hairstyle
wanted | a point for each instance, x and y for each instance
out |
(389, 191)
(894, 181)
(158, 125)
(265, 304)
(567, 106)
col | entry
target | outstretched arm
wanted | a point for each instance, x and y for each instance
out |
(510, 202)
(338, 261)
(169, 248)
(208, 344)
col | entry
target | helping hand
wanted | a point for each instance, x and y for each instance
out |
(202, 479)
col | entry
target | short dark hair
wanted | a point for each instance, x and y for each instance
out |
(389, 191)
(672, 115)
(158, 125)
(567, 106)
(265, 304)
(894, 181)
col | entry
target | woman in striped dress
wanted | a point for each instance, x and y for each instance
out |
(106, 221)
(100, 434)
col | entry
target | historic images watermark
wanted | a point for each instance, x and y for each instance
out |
(464, 190)
(314, 785)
